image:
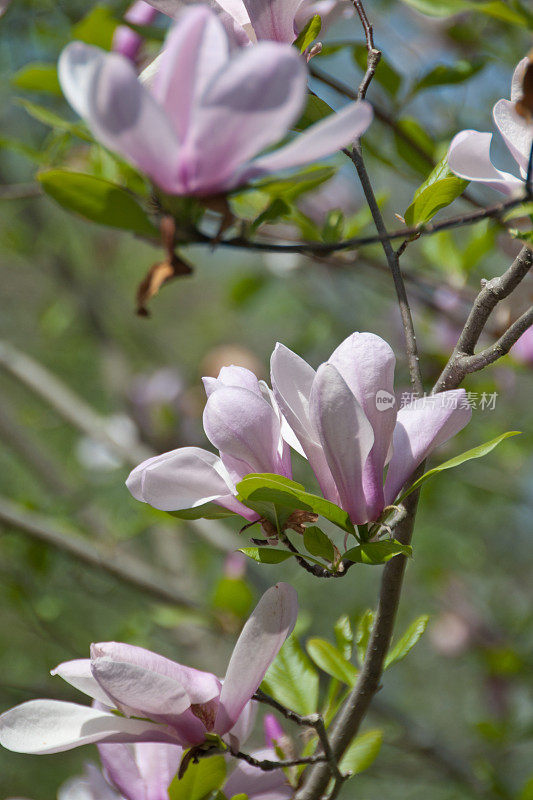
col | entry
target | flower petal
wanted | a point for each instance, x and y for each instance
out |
(272, 620)
(78, 674)
(246, 428)
(200, 686)
(233, 376)
(141, 771)
(244, 725)
(292, 379)
(422, 426)
(103, 88)
(469, 158)
(91, 787)
(52, 726)
(195, 51)
(366, 362)
(319, 141)
(251, 104)
(518, 79)
(517, 132)
(346, 436)
(274, 19)
(183, 478)
(126, 41)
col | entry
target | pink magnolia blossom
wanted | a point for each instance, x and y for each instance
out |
(145, 771)
(242, 420)
(250, 21)
(158, 699)
(345, 418)
(126, 41)
(200, 126)
(523, 349)
(469, 153)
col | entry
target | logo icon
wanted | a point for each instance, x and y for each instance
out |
(384, 400)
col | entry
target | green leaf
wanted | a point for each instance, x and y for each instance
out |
(327, 657)
(292, 679)
(437, 8)
(344, 635)
(97, 200)
(96, 28)
(37, 77)
(315, 111)
(233, 595)
(476, 452)
(317, 543)
(362, 752)
(440, 188)
(289, 189)
(266, 555)
(527, 790)
(406, 643)
(241, 796)
(446, 74)
(278, 495)
(309, 33)
(377, 552)
(205, 511)
(200, 779)
(364, 629)
(447, 8)
(53, 120)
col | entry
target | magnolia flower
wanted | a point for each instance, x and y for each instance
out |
(157, 700)
(469, 153)
(145, 771)
(126, 41)
(523, 349)
(345, 418)
(242, 420)
(250, 21)
(92, 786)
(199, 128)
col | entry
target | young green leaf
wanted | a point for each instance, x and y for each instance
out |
(406, 643)
(199, 780)
(272, 493)
(266, 555)
(292, 679)
(476, 452)
(37, 77)
(344, 635)
(364, 629)
(205, 511)
(447, 74)
(309, 33)
(317, 543)
(53, 120)
(330, 660)
(97, 27)
(97, 200)
(377, 552)
(362, 752)
(315, 110)
(440, 188)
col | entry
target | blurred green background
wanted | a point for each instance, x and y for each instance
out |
(457, 715)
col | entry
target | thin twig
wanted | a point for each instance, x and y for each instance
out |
(267, 766)
(374, 55)
(394, 265)
(463, 359)
(423, 229)
(310, 721)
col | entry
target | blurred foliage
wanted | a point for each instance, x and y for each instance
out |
(463, 696)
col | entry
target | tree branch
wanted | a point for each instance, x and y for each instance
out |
(374, 55)
(348, 721)
(463, 359)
